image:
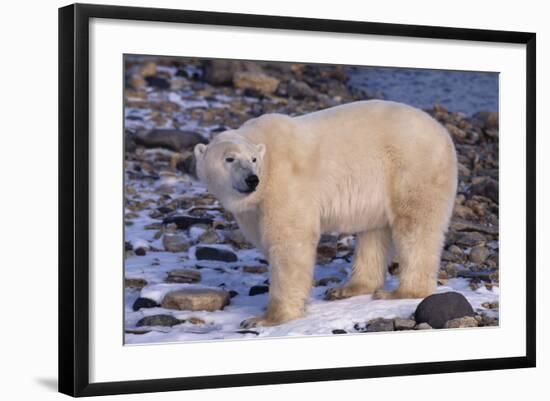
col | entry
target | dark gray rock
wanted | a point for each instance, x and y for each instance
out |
(172, 139)
(184, 222)
(222, 255)
(486, 275)
(487, 187)
(157, 82)
(300, 90)
(188, 166)
(339, 331)
(158, 320)
(258, 289)
(244, 331)
(144, 303)
(141, 251)
(437, 309)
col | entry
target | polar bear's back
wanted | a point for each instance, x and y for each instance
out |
(370, 151)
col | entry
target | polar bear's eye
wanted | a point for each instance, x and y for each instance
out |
(253, 160)
(229, 159)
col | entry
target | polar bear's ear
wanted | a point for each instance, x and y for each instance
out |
(200, 149)
(261, 149)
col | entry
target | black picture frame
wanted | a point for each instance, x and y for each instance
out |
(74, 198)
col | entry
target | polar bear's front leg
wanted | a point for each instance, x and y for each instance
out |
(292, 265)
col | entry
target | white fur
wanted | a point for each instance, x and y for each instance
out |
(383, 170)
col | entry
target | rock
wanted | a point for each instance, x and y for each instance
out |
(157, 82)
(138, 332)
(300, 90)
(244, 331)
(487, 119)
(256, 81)
(158, 320)
(459, 224)
(463, 171)
(360, 327)
(484, 320)
(169, 138)
(148, 69)
(469, 238)
(437, 309)
(195, 320)
(137, 82)
(423, 326)
(487, 187)
(184, 222)
(258, 289)
(210, 236)
(220, 72)
(327, 280)
(183, 276)
(237, 239)
(144, 303)
(255, 269)
(141, 251)
(490, 305)
(339, 331)
(380, 324)
(479, 254)
(134, 282)
(461, 322)
(195, 299)
(175, 243)
(187, 165)
(208, 253)
(404, 324)
(463, 212)
(326, 252)
(486, 275)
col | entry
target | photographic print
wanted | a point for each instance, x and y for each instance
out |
(285, 199)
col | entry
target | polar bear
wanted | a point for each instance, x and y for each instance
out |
(379, 169)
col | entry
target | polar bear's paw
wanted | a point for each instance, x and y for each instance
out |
(384, 294)
(333, 294)
(256, 321)
(346, 291)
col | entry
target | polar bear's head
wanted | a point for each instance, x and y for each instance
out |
(231, 169)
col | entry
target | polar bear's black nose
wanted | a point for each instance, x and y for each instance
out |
(252, 181)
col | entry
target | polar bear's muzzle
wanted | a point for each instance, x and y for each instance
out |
(246, 182)
(250, 184)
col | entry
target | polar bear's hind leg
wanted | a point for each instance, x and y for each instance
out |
(369, 266)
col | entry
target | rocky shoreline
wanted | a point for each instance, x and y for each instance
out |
(190, 275)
